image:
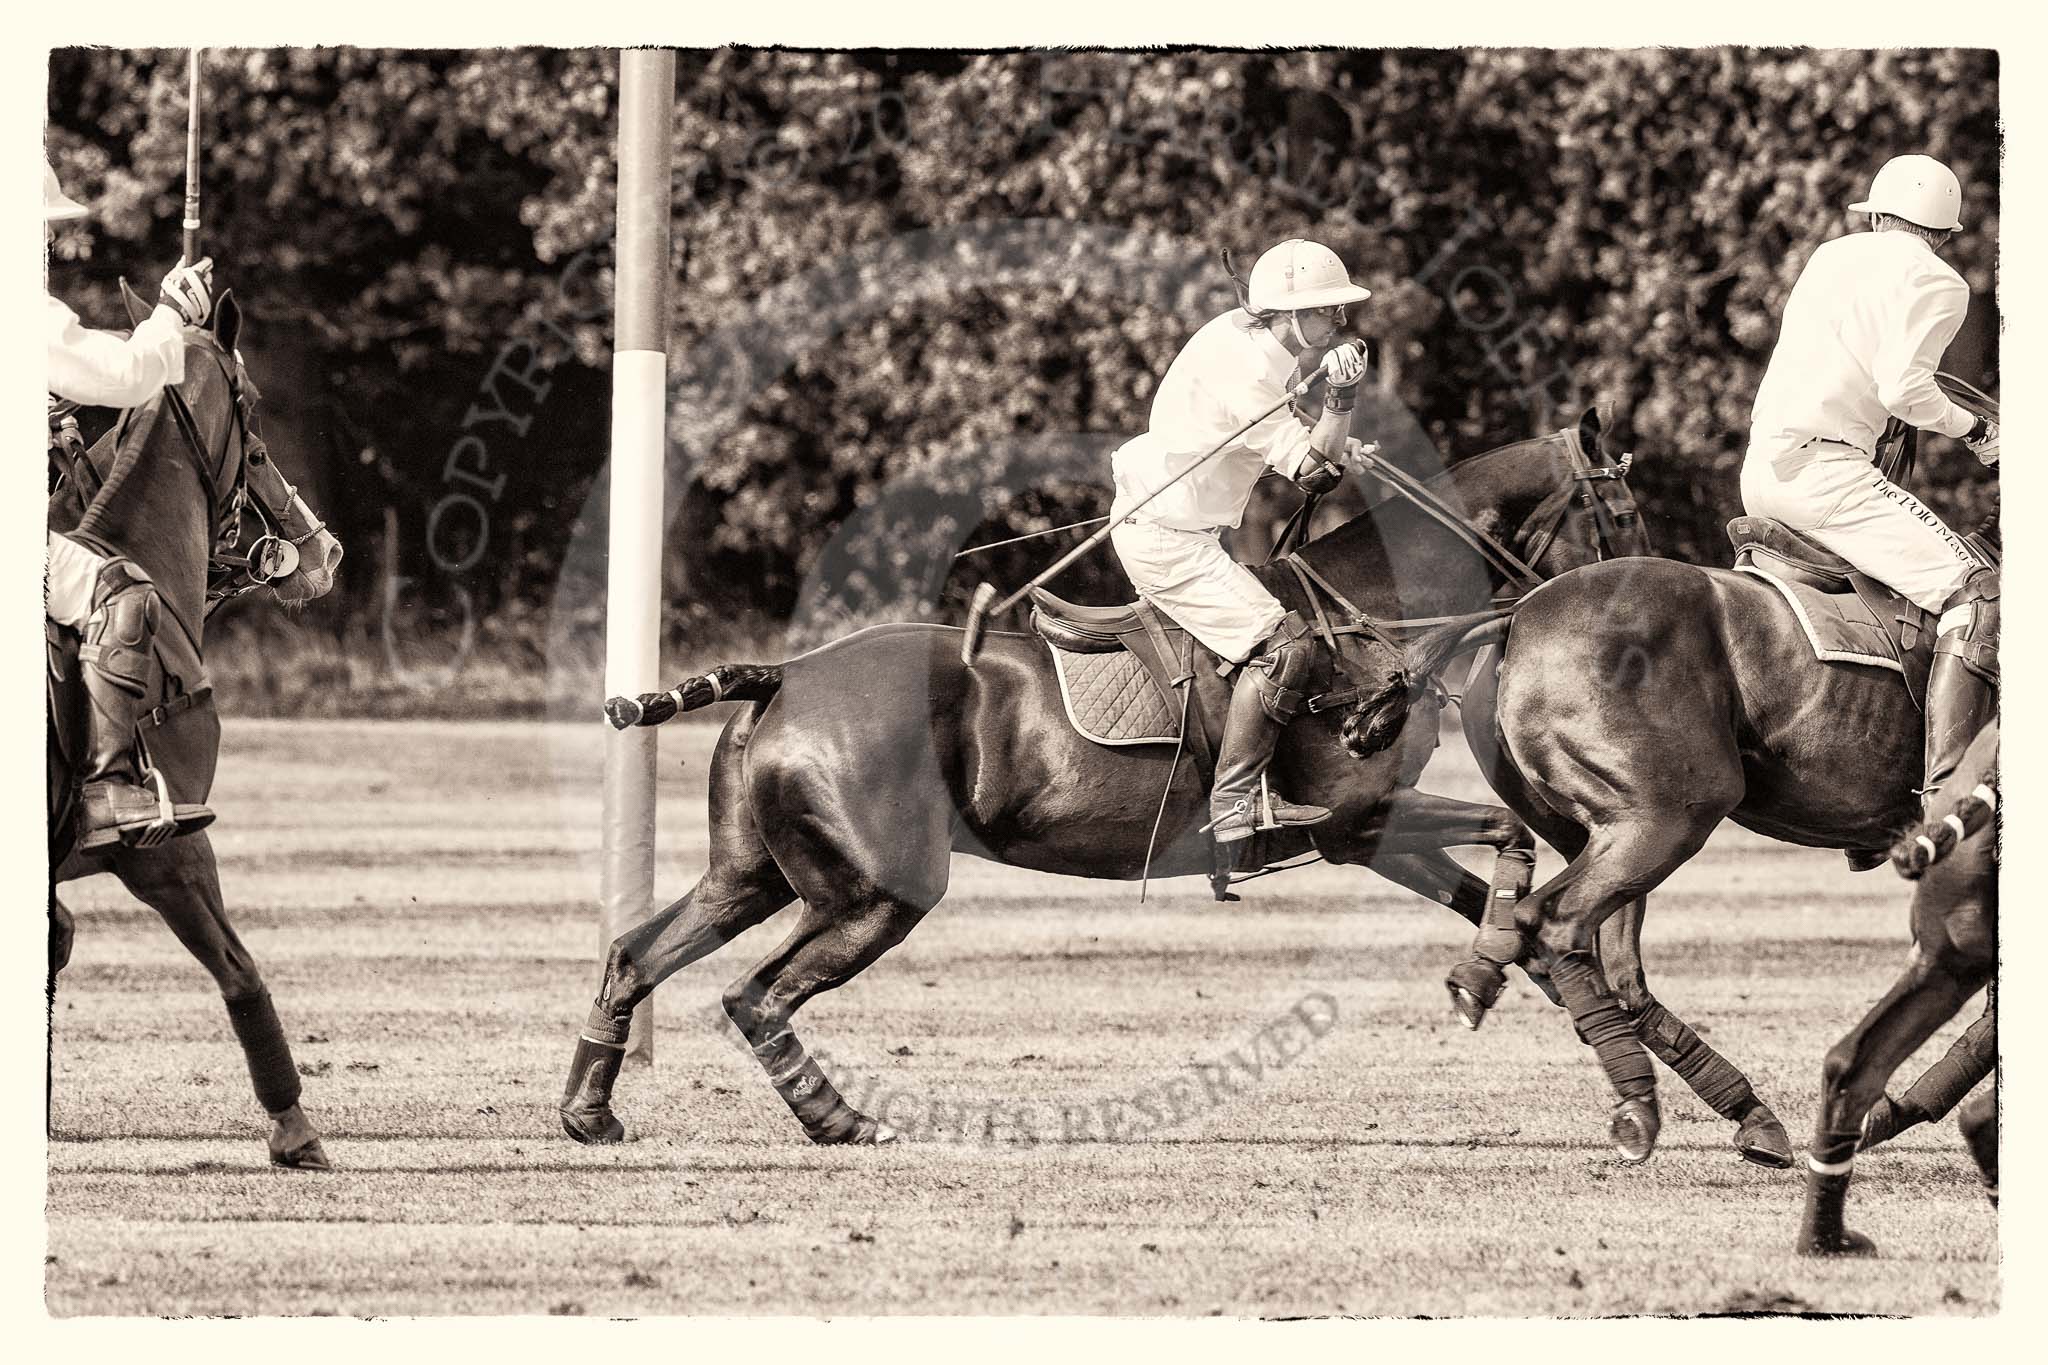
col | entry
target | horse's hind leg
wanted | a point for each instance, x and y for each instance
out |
(62, 929)
(1619, 864)
(1943, 1086)
(739, 891)
(742, 887)
(829, 947)
(1759, 1136)
(1933, 987)
(1979, 1122)
(181, 882)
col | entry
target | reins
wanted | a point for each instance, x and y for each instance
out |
(1537, 534)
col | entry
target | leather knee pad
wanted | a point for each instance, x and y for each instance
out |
(121, 626)
(1285, 668)
(1970, 621)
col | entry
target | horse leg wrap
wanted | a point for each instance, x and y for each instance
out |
(265, 1049)
(1711, 1076)
(803, 1087)
(1821, 1228)
(607, 1029)
(1604, 1026)
(1499, 939)
(1949, 1081)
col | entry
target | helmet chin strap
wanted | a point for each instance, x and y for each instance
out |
(1294, 321)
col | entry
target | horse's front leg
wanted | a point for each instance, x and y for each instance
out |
(1405, 844)
(181, 882)
(1926, 996)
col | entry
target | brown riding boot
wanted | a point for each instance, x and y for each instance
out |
(1962, 684)
(1268, 692)
(116, 806)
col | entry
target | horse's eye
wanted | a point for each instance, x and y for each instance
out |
(1624, 518)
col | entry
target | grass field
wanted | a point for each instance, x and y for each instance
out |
(431, 944)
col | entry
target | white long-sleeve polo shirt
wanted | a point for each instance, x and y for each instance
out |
(1863, 333)
(1227, 374)
(104, 370)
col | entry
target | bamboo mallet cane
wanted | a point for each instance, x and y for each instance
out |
(985, 605)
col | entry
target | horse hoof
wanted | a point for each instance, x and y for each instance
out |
(864, 1132)
(1841, 1242)
(307, 1156)
(1762, 1140)
(599, 1129)
(1474, 985)
(1880, 1125)
(1634, 1129)
(1470, 1012)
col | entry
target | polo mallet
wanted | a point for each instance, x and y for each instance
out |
(192, 162)
(984, 604)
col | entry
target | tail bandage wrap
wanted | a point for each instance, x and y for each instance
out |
(1500, 939)
(1604, 1026)
(264, 1048)
(1710, 1075)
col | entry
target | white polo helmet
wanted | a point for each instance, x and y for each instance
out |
(58, 207)
(1301, 274)
(1918, 189)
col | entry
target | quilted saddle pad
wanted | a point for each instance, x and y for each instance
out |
(1111, 698)
(1840, 627)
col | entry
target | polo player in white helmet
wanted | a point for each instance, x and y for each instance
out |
(1237, 366)
(105, 597)
(1863, 334)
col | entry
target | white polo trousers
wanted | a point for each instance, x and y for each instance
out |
(1192, 578)
(1834, 494)
(68, 581)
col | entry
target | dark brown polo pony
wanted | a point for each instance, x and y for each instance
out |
(161, 493)
(1638, 704)
(1955, 954)
(853, 773)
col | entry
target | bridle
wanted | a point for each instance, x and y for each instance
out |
(275, 553)
(1572, 502)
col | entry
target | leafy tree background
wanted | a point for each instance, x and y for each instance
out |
(1542, 230)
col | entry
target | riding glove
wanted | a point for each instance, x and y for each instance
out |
(1982, 440)
(188, 289)
(1345, 365)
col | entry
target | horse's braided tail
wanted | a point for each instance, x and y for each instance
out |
(1375, 723)
(1932, 840)
(727, 682)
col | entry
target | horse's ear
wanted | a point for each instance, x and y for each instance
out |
(137, 309)
(227, 321)
(1589, 432)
